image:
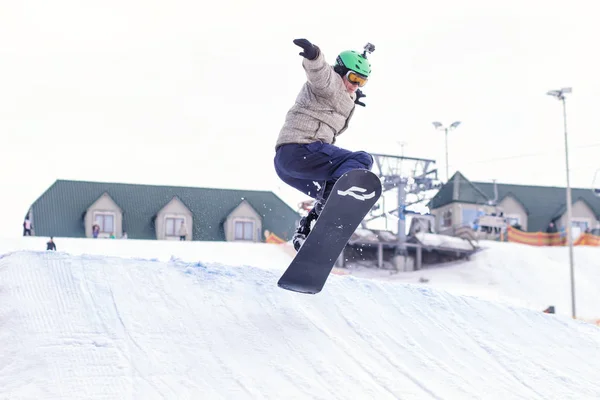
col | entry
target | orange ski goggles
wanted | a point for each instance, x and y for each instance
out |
(356, 78)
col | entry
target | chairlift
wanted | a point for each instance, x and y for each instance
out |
(596, 183)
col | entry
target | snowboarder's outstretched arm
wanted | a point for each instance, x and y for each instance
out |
(318, 72)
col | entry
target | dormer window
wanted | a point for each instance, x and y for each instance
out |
(173, 226)
(105, 221)
(244, 230)
(243, 224)
(175, 221)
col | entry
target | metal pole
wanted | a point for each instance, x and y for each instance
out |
(569, 212)
(401, 217)
(383, 208)
(447, 174)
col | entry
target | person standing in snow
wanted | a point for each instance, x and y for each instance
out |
(182, 231)
(95, 231)
(305, 155)
(27, 226)
(50, 245)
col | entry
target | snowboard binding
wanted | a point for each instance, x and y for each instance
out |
(306, 224)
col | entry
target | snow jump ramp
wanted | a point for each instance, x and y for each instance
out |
(94, 327)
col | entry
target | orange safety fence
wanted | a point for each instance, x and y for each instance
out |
(535, 238)
(549, 239)
(592, 321)
(587, 239)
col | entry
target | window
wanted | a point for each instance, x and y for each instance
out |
(447, 219)
(579, 224)
(105, 221)
(244, 230)
(172, 226)
(469, 217)
(513, 219)
(578, 227)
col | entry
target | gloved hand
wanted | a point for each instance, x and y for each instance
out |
(359, 94)
(310, 51)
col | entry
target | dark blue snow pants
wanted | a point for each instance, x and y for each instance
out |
(313, 168)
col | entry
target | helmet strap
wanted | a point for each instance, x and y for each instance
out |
(340, 70)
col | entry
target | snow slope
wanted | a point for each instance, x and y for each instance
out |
(104, 327)
(256, 254)
(511, 273)
(517, 274)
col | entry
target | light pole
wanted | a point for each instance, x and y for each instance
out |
(596, 183)
(560, 95)
(439, 126)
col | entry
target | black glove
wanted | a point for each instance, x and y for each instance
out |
(310, 51)
(359, 94)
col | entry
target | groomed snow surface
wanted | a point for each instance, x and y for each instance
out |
(126, 319)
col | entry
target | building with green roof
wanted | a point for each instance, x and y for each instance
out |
(460, 201)
(71, 208)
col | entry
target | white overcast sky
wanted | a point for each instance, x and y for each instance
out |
(192, 93)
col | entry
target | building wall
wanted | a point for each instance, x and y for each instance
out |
(466, 214)
(512, 208)
(457, 217)
(243, 213)
(463, 214)
(439, 216)
(174, 209)
(104, 204)
(580, 213)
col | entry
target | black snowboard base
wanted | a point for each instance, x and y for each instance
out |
(351, 198)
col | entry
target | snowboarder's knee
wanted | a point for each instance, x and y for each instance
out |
(364, 158)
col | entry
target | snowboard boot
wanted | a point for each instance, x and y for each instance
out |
(301, 233)
(305, 225)
(318, 207)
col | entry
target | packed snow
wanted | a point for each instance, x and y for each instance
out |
(516, 274)
(126, 319)
(443, 241)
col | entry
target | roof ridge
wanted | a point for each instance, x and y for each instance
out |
(457, 177)
(157, 186)
(478, 189)
(529, 186)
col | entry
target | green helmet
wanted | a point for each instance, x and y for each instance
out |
(354, 61)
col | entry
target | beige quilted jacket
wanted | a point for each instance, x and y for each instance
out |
(323, 107)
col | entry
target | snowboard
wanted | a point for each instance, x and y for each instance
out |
(351, 198)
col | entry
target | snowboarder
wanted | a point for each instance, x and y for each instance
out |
(305, 155)
(50, 245)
